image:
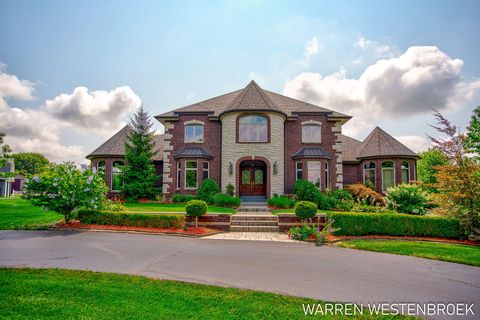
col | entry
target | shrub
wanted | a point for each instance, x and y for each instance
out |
(365, 195)
(207, 190)
(305, 190)
(64, 188)
(366, 208)
(131, 219)
(341, 195)
(225, 200)
(324, 201)
(407, 198)
(230, 190)
(281, 202)
(305, 209)
(182, 198)
(114, 206)
(394, 224)
(303, 232)
(345, 205)
(196, 208)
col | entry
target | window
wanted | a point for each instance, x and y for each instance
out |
(206, 170)
(298, 170)
(194, 133)
(327, 176)
(369, 173)
(388, 175)
(179, 169)
(405, 172)
(190, 174)
(314, 172)
(117, 175)
(311, 133)
(253, 129)
(101, 168)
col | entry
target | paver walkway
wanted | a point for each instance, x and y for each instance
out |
(253, 236)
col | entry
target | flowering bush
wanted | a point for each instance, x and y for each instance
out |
(64, 188)
(306, 232)
(407, 198)
(365, 195)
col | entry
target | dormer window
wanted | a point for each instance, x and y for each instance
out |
(194, 133)
(253, 128)
(311, 133)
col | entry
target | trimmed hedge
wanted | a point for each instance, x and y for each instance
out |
(305, 209)
(394, 224)
(131, 219)
(196, 208)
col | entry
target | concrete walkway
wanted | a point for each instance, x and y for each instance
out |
(253, 236)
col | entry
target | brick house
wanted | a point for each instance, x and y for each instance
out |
(261, 142)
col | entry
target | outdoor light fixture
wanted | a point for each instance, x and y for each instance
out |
(230, 168)
(275, 168)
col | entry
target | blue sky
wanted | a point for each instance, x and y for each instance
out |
(174, 53)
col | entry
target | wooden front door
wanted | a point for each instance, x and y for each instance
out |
(253, 179)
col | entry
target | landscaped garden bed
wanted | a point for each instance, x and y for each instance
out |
(199, 231)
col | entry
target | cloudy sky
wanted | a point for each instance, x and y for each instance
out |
(71, 72)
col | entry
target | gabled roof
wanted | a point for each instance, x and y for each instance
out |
(252, 98)
(115, 146)
(349, 148)
(381, 144)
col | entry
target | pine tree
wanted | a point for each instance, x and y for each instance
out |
(139, 172)
(472, 141)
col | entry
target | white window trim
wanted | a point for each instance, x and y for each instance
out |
(327, 175)
(394, 174)
(112, 174)
(298, 170)
(185, 176)
(178, 176)
(408, 171)
(320, 178)
(193, 124)
(370, 169)
(208, 169)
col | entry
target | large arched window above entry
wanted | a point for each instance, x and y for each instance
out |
(253, 128)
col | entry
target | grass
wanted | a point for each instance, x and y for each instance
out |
(16, 213)
(431, 250)
(165, 207)
(63, 294)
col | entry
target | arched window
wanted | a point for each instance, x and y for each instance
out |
(194, 133)
(311, 133)
(253, 128)
(388, 175)
(405, 172)
(117, 175)
(369, 173)
(101, 168)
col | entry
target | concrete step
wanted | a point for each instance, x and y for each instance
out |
(254, 204)
(239, 217)
(253, 229)
(258, 223)
(253, 209)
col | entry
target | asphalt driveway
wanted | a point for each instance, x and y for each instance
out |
(326, 273)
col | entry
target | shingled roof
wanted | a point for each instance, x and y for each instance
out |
(115, 146)
(252, 98)
(376, 145)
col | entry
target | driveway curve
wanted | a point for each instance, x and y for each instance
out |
(298, 269)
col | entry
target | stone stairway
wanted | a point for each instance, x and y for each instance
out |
(251, 222)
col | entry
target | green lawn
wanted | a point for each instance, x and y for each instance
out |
(62, 294)
(431, 250)
(163, 207)
(16, 213)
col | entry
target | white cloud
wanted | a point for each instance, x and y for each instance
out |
(311, 49)
(101, 111)
(38, 130)
(415, 143)
(378, 49)
(415, 82)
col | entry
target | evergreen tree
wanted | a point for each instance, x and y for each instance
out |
(139, 172)
(472, 141)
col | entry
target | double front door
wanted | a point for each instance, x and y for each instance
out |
(253, 179)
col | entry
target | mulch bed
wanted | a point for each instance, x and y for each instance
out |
(189, 231)
(332, 238)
